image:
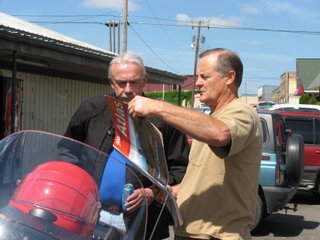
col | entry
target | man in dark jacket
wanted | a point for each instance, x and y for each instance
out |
(92, 124)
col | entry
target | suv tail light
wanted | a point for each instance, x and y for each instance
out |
(279, 175)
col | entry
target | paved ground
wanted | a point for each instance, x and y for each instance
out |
(303, 224)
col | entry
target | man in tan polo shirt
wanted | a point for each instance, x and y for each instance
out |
(217, 196)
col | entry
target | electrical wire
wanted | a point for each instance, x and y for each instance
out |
(174, 23)
(177, 23)
(148, 46)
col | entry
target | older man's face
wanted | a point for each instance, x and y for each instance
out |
(127, 81)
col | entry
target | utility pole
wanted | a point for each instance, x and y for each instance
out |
(196, 52)
(125, 24)
(113, 25)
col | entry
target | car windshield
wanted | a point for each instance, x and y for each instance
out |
(265, 105)
(22, 152)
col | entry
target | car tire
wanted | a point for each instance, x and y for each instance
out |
(259, 213)
(295, 163)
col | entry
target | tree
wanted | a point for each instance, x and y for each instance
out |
(309, 98)
(171, 96)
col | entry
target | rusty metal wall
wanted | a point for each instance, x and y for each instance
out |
(49, 102)
(52, 101)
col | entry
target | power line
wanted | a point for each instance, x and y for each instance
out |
(66, 16)
(147, 45)
(92, 22)
(174, 23)
(67, 22)
(177, 23)
(229, 27)
(157, 20)
(188, 25)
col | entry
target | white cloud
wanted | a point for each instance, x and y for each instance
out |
(183, 18)
(110, 4)
(252, 10)
(212, 21)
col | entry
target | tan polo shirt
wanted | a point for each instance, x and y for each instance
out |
(219, 191)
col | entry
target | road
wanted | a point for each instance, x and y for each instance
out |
(304, 224)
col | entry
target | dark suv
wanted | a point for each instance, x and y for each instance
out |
(308, 125)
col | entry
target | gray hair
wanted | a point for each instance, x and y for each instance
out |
(226, 61)
(128, 57)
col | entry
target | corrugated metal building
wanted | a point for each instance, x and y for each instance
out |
(50, 75)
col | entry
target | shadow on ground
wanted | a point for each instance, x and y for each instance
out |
(283, 224)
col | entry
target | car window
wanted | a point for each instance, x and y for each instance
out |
(280, 131)
(264, 128)
(302, 126)
(265, 105)
(317, 131)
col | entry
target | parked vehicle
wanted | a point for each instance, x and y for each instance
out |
(296, 107)
(281, 165)
(308, 125)
(264, 105)
(44, 196)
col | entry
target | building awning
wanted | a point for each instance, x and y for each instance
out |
(315, 84)
(299, 91)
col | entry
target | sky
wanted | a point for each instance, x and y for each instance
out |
(268, 35)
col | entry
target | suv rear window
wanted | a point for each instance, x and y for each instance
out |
(309, 128)
(264, 127)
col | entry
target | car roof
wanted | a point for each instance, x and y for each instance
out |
(273, 113)
(300, 114)
(296, 107)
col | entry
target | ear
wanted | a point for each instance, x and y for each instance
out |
(145, 80)
(231, 77)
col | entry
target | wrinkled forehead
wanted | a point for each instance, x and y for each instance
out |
(126, 71)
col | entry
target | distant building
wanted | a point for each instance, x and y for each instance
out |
(251, 99)
(287, 92)
(265, 92)
(187, 85)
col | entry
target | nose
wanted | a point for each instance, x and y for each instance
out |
(198, 82)
(128, 88)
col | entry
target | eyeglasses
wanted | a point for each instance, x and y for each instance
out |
(123, 83)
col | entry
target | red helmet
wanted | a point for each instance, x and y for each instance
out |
(67, 195)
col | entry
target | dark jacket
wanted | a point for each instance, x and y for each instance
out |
(92, 124)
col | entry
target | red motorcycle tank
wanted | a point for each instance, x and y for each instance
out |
(64, 190)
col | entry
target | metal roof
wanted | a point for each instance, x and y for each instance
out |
(307, 70)
(26, 29)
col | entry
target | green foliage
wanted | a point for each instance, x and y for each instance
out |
(308, 98)
(171, 96)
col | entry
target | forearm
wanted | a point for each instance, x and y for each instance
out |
(196, 124)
